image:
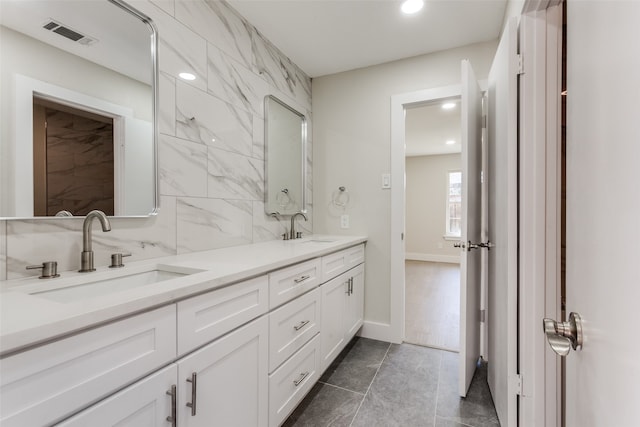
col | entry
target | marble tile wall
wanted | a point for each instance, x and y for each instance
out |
(211, 163)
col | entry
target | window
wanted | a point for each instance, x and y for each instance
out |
(454, 204)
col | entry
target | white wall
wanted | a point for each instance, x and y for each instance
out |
(426, 193)
(211, 192)
(351, 112)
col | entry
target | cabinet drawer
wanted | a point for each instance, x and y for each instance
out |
(46, 384)
(290, 282)
(290, 383)
(291, 326)
(339, 262)
(203, 318)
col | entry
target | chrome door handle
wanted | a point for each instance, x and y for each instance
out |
(301, 325)
(173, 417)
(194, 387)
(301, 278)
(301, 378)
(563, 336)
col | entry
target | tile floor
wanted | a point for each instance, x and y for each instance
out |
(374, 383)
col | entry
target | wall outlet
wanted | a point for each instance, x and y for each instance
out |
(344, 221)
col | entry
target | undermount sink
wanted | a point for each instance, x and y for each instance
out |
(90, 287)
(319, 240)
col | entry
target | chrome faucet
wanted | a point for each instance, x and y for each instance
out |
(86, 257)
(292, 231)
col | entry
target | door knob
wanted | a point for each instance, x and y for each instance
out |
(563, 336)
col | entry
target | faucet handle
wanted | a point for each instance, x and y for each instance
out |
(49, 269)
(116, 260)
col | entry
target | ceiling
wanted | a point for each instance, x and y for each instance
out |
(429, 127)
(330, 36)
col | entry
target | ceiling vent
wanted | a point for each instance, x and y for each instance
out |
(67, 32)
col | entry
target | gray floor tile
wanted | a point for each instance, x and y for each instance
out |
(477, 409)
(325, 405)
(356, 366)
(414, 387)
(404, 392)
(443, 422)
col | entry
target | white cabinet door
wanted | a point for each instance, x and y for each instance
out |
(226, 382)
(143, 404)
(332, 326)
(354, 306)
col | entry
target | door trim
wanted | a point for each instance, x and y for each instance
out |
(398, 104)
(540, 203)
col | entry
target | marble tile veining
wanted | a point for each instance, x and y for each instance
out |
(203, 118)
(167, 109)
(229, 80)
(182, 166)
(279, 71)
(213, 223)
(232, 176)
(219, 24)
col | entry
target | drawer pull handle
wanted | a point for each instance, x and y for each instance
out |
(300, 325)
(194, 384)
(302, 377)
(173, 417)
(301, 278)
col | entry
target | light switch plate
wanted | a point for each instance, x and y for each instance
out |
(386, 180)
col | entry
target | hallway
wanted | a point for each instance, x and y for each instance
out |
(432, 304)
(377, 384)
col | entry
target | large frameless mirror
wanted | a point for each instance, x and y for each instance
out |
(285, 153)
(78, 112)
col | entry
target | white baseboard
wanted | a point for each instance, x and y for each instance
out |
(415, 256)
(378, 331)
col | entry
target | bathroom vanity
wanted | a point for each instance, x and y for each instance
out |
(229, 337)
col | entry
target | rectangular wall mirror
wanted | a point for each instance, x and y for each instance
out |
(79, 107)
(285, 154)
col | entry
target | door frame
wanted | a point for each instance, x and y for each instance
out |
(399, 103)
(540, 192)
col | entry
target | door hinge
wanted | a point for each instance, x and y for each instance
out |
(520, 64)
(516, 383)
(484, 122)
(483, 316)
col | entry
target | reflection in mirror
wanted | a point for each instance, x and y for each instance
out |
(285, 154)
(79, 84)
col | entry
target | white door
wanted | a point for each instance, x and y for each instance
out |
(603, 211)
(470, 260)
(502, 177)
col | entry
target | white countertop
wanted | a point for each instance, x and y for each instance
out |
(27, 320)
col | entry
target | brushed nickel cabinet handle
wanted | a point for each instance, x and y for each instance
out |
(301, 278)
(194, 385)
(300, 325)
(302, 377)
(173, 417)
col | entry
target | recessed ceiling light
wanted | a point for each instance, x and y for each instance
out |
(412, 6)
(448, 105)
(187, 76)
(450, 142)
